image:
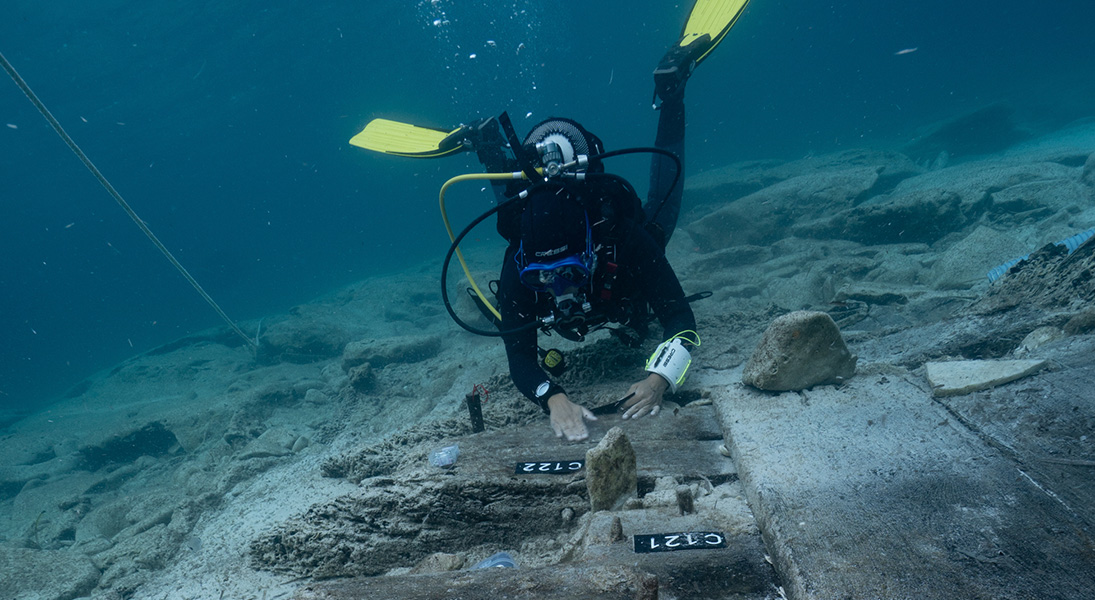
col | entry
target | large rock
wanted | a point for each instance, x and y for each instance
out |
(919, 216)
(984, 131)
(1036, 200)
(1088, 175)
(382, 352)
(726, 184)
(767, 215)
(967, 262)
(611, 474)
(928, 207)
(301, 338)
(45, 574)
(798, 351)
(276, 441)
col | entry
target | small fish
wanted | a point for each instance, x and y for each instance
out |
(906, 51)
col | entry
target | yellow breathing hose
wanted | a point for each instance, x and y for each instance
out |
(452, 236)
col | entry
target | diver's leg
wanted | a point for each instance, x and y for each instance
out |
(663, 202)
(485, 137)
(708, 23)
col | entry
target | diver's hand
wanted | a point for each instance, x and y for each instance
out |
(567, 418)
(647, 398)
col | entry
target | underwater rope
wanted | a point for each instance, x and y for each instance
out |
(118, 198)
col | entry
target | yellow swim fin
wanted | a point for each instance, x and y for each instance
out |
(707, 24)
(713, 18)
(404, 139)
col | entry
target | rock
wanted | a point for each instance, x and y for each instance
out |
(984, 131)
(616, 530)
(273, 442)
(45, 574)
(440, 562)
(1088, 176)
(275, 393)
(611, 474)
(1038, 338)
(314, 396)
(1036, 200)
(914, 217)
(362, 378)
(967, 262)
(869, 292)
(1081, 323)
(664, 494)
(726, 184)
(151, 440)
(766, 216)
(191, 431)
(685, 501)
(301, 338)
(737, 256)
(799, 350)
(930, 206)
(383, 352)
(301, 443)
(959, 377)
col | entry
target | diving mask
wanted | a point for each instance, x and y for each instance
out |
(559, 276)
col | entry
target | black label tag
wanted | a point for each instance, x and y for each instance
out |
(549, 467)
(669, 542)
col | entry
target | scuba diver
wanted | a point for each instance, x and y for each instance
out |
(584, 252)
(587, 254)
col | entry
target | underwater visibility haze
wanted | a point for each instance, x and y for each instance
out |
(861, 181)
(225, 125)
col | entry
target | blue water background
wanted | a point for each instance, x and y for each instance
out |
(225, 125)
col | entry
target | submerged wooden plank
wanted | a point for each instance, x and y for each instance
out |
(874, 490)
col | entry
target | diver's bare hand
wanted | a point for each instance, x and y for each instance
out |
(568, 418)
(647, 397)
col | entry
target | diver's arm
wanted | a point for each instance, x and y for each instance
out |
(567, 418)
(666, 298)
(517, 305)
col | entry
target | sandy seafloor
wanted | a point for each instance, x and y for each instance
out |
(152, 479)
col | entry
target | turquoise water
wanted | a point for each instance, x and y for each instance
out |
(225, 125)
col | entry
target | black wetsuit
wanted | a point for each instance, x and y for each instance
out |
(640, 278)
(643, 278)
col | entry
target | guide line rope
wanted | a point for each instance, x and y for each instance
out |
(118, 198)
